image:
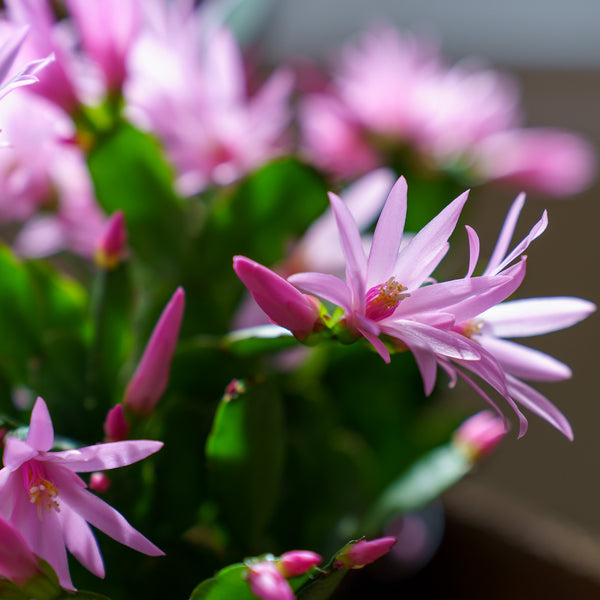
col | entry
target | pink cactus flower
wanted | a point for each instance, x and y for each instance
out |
(151, 376)
(280, 300)
(41, 495)
(480, 434)
(108, 30)
(383, 293)
(188, 85)
(357, 555)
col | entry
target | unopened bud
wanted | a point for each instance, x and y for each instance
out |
(358, 554)
(267, 583)
(116, 427)
(110, 246)
(479, 435)
(100, 482)
(297, 562)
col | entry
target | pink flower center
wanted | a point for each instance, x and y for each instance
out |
(41, 490)
(382, 299)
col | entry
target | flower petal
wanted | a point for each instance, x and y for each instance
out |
(535, 316)
(41, 432)
(414, 263)
(377, 344)
(103, 516)
(16, 452)
(506, 233)
(427, 364)
(540, 405)
(473, 249)
(328, 287)
(525, 362)
(102, 457)
(81, 541)
(356, 261)
(388, 236)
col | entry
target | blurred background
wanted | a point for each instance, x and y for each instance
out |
(553, 50)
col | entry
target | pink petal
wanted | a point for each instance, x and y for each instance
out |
(506, 233)
(410, 268)
(356, 261)
(365, 197)
(473, 249)
(102, 457)
(80, 541)
(328, 287)
(16, 452)
(103, 516)
(540, 405)
(377, 344)
(427, 364)
(388, 236)
(525, 362)
(41, 433)
(535, 316)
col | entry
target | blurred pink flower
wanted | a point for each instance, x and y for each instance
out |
(107, 29)
(267, 582)
(44, 181)
(188, 86)
(297, 562)
(151, 376)
(111, 245)
(41, 495)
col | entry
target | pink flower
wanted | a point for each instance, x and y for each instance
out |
(280, 300)
(151, 376)
(551, 161)
(41, 495)
(188, 85)
(108, 30)
(267, 583)
(503, 363)
(17, 562)
(384, 293)
(479, 435)
(358, 554)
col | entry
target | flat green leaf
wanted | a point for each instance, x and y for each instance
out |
(424, 481)
(244, 454)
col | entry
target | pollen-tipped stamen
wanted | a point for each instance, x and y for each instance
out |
(40, 489)
(382, 299)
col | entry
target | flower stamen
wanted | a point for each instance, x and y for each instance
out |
(41, 490)
(383, 299)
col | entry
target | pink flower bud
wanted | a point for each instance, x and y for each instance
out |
(364, 552)
(279, 299)
(100, 482)
(479, 435)
(152, 374)
(17, 561)
(116, 427)
(267, 583)
(297, 562)
(110, 246)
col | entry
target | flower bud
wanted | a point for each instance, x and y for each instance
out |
(110, 246)
(152, 374)
(358, 554)
(479, 435)
(267, 583)
(17, 561)
(297, 562)
(279, 299)
(116, 427)
(100, 482)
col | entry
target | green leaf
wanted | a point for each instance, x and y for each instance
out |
(228, 584)
(130, 173)
(424, 481)
(259, 340)
(245, 460)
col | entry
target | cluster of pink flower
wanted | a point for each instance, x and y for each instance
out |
(394, 96)
(182, 77)
(390, 299)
